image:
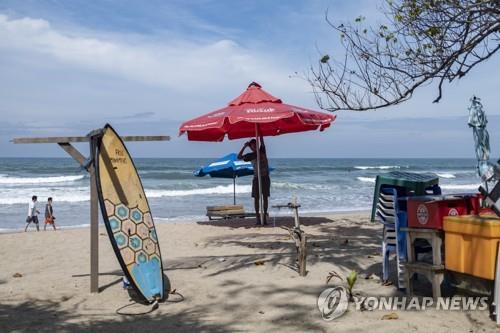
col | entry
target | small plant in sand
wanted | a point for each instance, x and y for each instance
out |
(350, 280)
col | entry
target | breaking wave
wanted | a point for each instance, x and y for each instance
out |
(446, 175)
(366, 179)
(38, 180)
(379, 167)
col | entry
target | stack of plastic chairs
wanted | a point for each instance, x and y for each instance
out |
(393, 240)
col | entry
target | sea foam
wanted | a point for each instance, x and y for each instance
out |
(459, 186)
(198, 191)
(366, 179)
(446, 175)
(38, 180)
(380, 167)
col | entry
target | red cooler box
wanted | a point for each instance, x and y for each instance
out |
(429, 211)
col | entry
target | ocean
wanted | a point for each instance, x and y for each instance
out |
(320, 185)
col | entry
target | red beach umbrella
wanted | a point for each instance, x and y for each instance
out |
(255, 112)
(254, 106)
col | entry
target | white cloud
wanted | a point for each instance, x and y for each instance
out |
(176, 64)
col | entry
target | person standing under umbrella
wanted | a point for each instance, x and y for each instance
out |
(264, 172)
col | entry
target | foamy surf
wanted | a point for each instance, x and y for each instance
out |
(379, 167)
(6, 180)
(294, 186)
(459, 186)
(12, 197)
(366, 179)
(446, 175)
(42, 196)
(199, 191)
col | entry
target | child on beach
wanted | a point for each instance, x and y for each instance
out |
(49, 215)
(32, 214)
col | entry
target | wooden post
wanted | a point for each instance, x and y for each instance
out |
(259, 181)
(234, 190)
(296, 212)
(94, 214)
(299, 237)
(94, 233)
(302, 254)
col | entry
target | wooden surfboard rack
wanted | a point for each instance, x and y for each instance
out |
(88, 164)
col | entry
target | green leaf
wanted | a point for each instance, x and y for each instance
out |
(433, 31)
(359, 18)
(351, 279)
(325, 59)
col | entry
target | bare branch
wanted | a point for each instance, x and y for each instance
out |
(423, 40)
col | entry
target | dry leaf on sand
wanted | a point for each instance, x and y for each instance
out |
(390, 316)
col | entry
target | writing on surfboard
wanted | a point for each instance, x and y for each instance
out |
(119, 157)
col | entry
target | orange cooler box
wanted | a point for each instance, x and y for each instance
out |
(471, 244)
(429, 211)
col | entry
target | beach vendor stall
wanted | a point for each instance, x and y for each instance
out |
(462, 231)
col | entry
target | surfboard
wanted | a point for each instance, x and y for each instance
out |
(127, 216)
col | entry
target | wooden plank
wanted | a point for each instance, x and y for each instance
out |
(94, 233)
(63, 139)
(72, 152)
(226, 207)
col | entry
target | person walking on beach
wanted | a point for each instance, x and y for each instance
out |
(264, 174)
(49, 215)
(32, 214)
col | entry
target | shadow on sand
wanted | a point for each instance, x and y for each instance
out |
(41, 316)
(337, 243)
(272, 222)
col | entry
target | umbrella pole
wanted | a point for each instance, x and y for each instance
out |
(261, 208)
(234, 190)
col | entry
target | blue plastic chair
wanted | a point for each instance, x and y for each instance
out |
(393, 239)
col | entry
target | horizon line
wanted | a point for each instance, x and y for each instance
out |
(281, 157)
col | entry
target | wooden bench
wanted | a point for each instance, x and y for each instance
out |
(227, 212)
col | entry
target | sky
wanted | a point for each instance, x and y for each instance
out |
(67, 67)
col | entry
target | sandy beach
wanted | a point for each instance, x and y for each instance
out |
(213, 266)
